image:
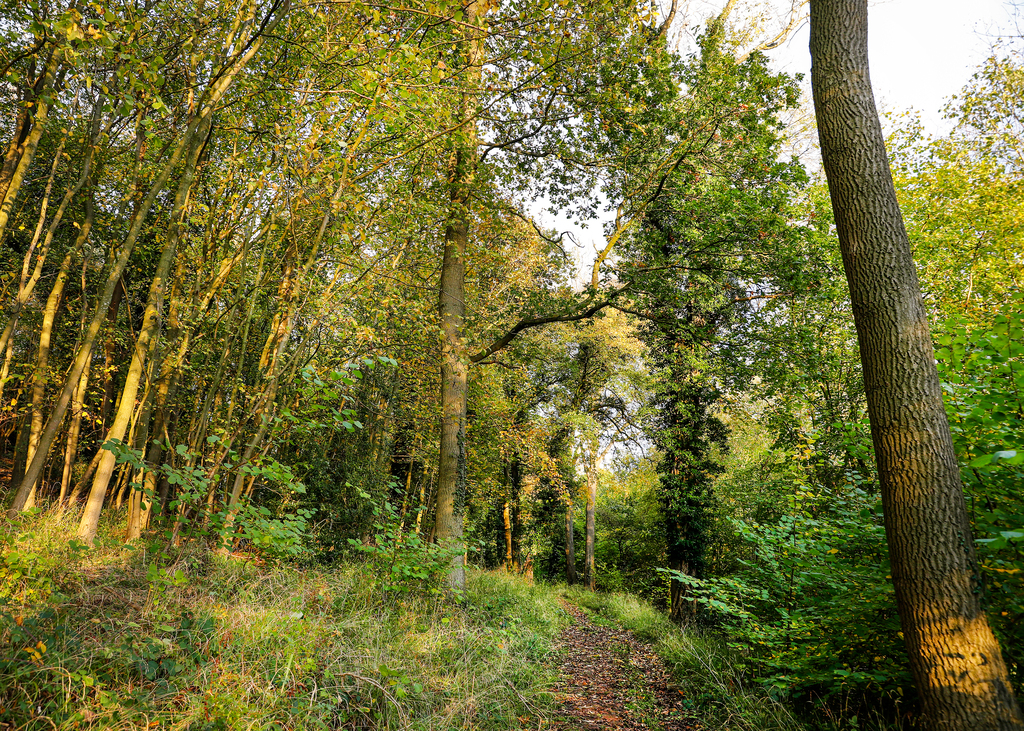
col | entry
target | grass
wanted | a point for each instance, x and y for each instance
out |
(110, 637)
(96, 639)
(700, 664)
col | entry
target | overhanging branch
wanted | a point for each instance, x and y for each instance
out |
(530, 322)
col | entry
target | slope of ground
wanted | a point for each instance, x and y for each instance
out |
(128, 638)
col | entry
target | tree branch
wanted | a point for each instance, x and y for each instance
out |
(531, 322)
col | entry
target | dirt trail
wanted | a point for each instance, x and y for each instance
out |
(611, 680)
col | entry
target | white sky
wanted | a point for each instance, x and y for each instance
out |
(921, 51)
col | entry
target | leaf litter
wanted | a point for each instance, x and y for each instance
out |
(611, 680)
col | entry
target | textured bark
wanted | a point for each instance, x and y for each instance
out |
(451, 464)
(955, 660)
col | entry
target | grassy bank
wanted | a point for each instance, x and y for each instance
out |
(127, 637)
(109, 637)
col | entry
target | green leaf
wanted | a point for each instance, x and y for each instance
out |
(980, 461)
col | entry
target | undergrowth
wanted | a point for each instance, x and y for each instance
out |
(97, 638)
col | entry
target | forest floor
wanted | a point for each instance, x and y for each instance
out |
(124, 636)
(611, 680)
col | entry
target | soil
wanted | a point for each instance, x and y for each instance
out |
(612, 680)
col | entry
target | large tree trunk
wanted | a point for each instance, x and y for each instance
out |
(451, 470)
(955, 660)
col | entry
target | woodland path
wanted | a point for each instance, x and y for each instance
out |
(611, 680)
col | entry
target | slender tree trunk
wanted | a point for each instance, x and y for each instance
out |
(20, 448)
(166, 385)
(407, 494)
(589, 570)
(5, 371)
(138, 501)
(570, 544)
(27, 284)
(15, 149)
(20, 156)
(109, 346)
(516, 483)
(451, 466)
(40, 376)
(954, 657)
(71, 451)
(426, 486)
(147, 338)
(506, 516)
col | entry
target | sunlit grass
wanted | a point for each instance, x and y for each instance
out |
(226, 644)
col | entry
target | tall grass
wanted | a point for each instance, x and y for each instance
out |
(99, 639)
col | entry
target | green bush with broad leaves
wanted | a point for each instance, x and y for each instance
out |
(277, 534)
(982, 373)
(811, 609)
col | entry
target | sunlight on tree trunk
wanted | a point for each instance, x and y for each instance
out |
(955, 659)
